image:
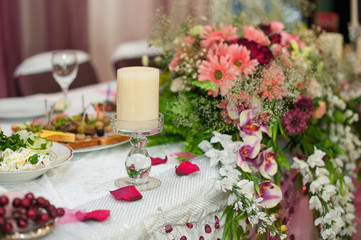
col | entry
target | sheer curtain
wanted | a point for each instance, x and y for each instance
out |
(112, 22)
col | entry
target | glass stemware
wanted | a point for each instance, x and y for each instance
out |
(65, 68)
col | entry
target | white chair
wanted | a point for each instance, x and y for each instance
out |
(34, 74)
(131, 53)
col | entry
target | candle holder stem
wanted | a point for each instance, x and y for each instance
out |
(138, 162)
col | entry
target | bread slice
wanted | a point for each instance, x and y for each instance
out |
(18, 127)
(112, 139)
(84, 143)
(58, 136)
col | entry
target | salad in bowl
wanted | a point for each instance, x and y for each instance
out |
(24, 151)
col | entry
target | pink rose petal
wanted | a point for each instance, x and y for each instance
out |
(186, 168)
(185, 155)
(128, 193)
(69, 216)
(100, 215)
(157, 161)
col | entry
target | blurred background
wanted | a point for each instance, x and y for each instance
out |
(30, 27)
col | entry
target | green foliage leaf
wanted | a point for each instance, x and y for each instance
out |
(205, 85)
(339, 116)
(274, 129)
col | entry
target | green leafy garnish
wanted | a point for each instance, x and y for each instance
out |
(13, 142)
(34, 159)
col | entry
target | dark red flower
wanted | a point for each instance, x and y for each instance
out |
(128, 193)
(305, 105)
(299, 156)
(186, 168)
(275, 38)
(157, 161)
(262, 53)
(266, 28)
(295, 121)
(100, 215)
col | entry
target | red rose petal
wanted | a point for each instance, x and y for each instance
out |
(100, 215)
(156, 161)
(128, 193)
(186, 168)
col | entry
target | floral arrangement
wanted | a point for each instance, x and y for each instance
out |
(269, 109)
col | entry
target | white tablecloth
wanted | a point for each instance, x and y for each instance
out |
(85, 181)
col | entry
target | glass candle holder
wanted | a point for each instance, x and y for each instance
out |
(138, 163)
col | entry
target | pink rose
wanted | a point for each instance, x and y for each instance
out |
(319, 112)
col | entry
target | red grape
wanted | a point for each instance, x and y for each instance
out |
(43, 218)
(40, 201)
(46, 203)
(50, 207)
(31, 213)
(16, 202)
(8, 227)
(2, 221)
(52, 213)
(25, 203)
(60, 212)
(22, 223)
(30, 196)
(4, 200)
(2, 211)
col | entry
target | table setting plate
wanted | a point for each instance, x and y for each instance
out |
(59, 152)
(99, 147)
(21, 108)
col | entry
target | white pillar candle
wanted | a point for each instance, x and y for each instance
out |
(354, 13)
(138, 98)
(332, 43)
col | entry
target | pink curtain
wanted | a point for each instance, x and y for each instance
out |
(67, 24)
(10, 45)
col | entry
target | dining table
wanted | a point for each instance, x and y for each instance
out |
(84, 182)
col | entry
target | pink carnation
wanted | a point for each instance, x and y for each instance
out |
(271, 86)
(276, 26)
(252, 34)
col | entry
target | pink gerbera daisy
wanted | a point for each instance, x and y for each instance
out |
(252, 34)
(271, 87)
(241, 58)
(212, 35)
(220, 71)
(220, 49)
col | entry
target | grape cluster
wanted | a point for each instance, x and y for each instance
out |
(22, 211)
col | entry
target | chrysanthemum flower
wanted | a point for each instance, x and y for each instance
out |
(295, 121)
(253, 34)
(272, 78)
(212, 35)
(305, 105)
(241, 58)
(219, 71)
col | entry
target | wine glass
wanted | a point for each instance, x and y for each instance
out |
(65, 68)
